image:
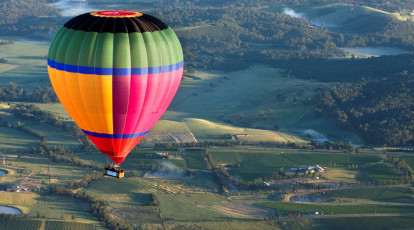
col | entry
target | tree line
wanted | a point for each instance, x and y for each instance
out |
(15, 93)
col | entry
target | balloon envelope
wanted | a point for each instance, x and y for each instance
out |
(115, 72)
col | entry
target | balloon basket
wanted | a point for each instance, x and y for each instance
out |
(114, 171)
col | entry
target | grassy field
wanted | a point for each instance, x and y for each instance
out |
(30, 57)
(207, 130)
(52, 207)
(369, 223)
(16, 139)
(382, 173)
(182, 209)
(341, 175)
(199, 183)
(335, 209)
(196, 159)
(60, 172)
(54, 108)
(127, 197)
(394, 193)
(53, 135)
(234, 97)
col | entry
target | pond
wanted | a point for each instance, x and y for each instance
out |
(9, 210)
(3, 172)
(310, 198)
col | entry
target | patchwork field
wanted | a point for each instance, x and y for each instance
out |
(392, 193)
(335, 209)
(262, 163)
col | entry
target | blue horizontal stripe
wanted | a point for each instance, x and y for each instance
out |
(115, 136)
(115, 71)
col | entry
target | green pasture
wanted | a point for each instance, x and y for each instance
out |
(206, 130)
(380, 194)
(197, 183)
(196, 159)
(30, 57)
(369, 223)
(60, 173)
(54, 108)
(335, 209)
(258, 97)
(53, 135)
(20, 224)
(382, 173)
(12, 138)
(52, 207)
(179, 209)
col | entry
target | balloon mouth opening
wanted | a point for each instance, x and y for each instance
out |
(116, 13)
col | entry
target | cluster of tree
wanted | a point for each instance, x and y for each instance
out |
(233, 35)
(13, 11)
(380, 110)
(60, 154)
(4, 216)
(401, 166)
(348, 70)
(15, 93)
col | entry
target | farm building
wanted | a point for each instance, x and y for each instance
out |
(11, 188)
(295, 214)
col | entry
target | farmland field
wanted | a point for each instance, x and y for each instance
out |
(261, 163)
(409, 160)
(196, 159)
(369, 223)
(19, 224)
(335, 209)
(394, 193)
(383, 173)
(60, 225)
(60, 172)
(182, 209)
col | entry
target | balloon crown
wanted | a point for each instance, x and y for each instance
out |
(116, 13)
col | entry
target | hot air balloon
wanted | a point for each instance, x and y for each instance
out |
(115, 73)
